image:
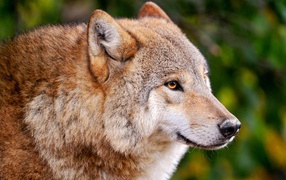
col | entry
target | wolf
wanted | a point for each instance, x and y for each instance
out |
(113, 99)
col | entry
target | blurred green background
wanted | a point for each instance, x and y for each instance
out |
(244, 42)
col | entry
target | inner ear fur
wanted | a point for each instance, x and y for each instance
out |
(150, 9)
(107, 39)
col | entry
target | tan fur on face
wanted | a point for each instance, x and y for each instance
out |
(90, 101)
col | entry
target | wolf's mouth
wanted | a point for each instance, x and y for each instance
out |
(194, 144)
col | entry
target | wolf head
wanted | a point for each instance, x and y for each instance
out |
(155, 82)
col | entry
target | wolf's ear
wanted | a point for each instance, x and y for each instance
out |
(107, 39)
(150, 9)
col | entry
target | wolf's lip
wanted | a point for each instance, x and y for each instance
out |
(189, 142)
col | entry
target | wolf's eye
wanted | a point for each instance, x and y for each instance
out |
(205, 77)
(174, 85)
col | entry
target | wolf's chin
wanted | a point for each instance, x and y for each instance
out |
(189, 142)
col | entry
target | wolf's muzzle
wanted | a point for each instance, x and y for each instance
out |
(229, 127)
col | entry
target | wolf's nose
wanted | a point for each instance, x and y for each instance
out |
(229, 128)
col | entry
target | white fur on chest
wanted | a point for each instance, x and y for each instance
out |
(165, 163)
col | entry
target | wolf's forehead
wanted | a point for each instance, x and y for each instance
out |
(172, 50)
(169, 33)
(163, 45)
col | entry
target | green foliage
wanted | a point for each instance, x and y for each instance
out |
(245, 44)
(17, 16)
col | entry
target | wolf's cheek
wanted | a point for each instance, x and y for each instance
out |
(164, 106)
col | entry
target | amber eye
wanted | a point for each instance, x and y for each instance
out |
(205, 77)
(206, 74)
(174, 85)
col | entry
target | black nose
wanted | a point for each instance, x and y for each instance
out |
(229, 128)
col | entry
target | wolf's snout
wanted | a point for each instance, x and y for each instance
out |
(228, 128)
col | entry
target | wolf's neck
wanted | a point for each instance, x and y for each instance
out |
(153, 161)
(164, 162)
